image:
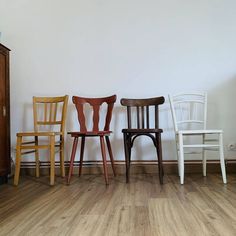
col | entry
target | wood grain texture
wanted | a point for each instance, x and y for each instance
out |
(203, 206)
(131, 133)
(5, 141)
(50, 121)
(95, 106)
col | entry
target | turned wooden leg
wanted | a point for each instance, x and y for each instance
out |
(177, 152)
(181, 158)
(127, 147)
(126, 156)
(18, 160)
(81, 155)
(159, 157)
(75, 143)
(110, 154)
(104, 159)
(37, 158)
(52, 160)
(222, 159)
(62, 157)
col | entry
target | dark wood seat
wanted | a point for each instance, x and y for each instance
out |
(141, 109)
(142, 130)
(103, 134)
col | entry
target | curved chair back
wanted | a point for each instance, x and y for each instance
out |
(95, 103)
(189, 111)
(142, 107)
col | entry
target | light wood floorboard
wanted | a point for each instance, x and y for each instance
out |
(202, 206)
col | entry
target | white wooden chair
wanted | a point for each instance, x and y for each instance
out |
(189, 113)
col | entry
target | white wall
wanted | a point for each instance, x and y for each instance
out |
(133, 48)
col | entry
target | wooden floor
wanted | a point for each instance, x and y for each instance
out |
(203, 206)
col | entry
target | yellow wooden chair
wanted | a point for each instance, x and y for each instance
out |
(49, 123)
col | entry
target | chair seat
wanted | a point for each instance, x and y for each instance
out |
(142, 131)
(196, 132)
(41, 133)
(90, 133)
(35, 134)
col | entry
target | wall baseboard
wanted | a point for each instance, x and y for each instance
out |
(145, 167)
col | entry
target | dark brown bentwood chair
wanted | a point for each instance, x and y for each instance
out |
(95, 103)
(142, 107)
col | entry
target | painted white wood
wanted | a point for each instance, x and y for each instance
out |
(190, 121)
(173, 113)
(177, 152)
(181, 116)
(189, 101)
(181, 159)
(200, 132)
(200, 145)
(204, 157)
(222, 160)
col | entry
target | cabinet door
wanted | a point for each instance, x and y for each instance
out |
(4, 159)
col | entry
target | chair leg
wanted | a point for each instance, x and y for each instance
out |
(181, 158)
(159, 157)
(127, 148)
(18, 160)
(204, 158)
(110, 154)
(72, 158)
(62, 157)
(222, 160)
(104, 158)
(177, 152)
(81, 155)
(178, 163)
(129, 154)
(37, 164)
(126, 156)
(52, 160)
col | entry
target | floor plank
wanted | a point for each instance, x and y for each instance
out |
(202, 206)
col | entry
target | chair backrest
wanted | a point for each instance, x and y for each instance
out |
(50, 112)
(95, 103)
(142, 111)
(189, 111)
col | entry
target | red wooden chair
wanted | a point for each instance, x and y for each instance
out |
(95, 103)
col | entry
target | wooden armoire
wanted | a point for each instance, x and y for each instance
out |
(5, 150)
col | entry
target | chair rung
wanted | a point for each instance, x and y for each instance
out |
(36, 147)
(29, 142)
(189, 100)
(206, 149)
(211, 149)
(200, 145)
(190, 121)
(23, 153)
(49, 122)
(192, 152)
(211, 140)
